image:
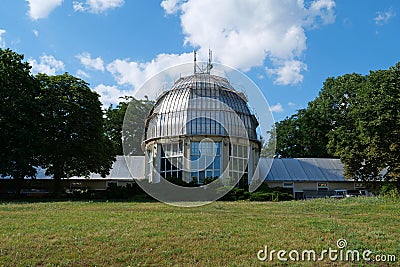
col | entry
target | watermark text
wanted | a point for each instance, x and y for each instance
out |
(339, 253)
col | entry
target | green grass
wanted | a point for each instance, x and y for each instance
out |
(219, 234)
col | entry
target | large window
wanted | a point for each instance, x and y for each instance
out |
(238, 161)
(205, 160)
(171, 160)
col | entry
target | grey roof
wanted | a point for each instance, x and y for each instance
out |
(120, 171)
(302, 169)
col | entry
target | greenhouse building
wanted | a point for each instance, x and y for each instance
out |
(202, 128)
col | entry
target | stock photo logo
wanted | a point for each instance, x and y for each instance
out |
(339, 253)
(203, 135)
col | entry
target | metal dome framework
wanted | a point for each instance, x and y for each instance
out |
(201, 104)
(201, 128)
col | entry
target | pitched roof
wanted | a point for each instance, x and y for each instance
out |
(302, 169)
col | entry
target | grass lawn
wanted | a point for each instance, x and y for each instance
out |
(219, 234)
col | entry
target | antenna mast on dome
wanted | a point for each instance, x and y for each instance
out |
(195, 62)
(209, 65)
(201, 69)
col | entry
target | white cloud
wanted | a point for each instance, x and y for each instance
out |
(127, 72)
(171, 6)
(244, 34)
(91, 63)
(383, 17)
(36, 33)
(47, 64)
(289, 72)
(39, 9)
(109, 94)
(322, 10)
(2, 42)
(260, 76)
(291, 104)
(97, 6)
(277, 108)
(81, 74)
(79, 6)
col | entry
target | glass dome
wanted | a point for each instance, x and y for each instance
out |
(201, 104)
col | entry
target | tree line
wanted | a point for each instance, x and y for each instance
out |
(355, 118)
(57, 123)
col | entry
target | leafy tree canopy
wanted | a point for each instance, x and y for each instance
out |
(74, 139)
(19, 116)
(355, 118)
(134, 112)
(368, 143)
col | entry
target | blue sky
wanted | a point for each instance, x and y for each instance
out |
(288, 48)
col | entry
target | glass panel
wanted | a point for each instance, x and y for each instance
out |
(235, 150)
(201, 177)
(217, 162)
(202, 163)
(167, 165)
(195, 148)
(205, 157)
(180, 148)
(174, 163)
(209, 162)
(218, 147)
(235, 164)
(163, 164)
(240, 166)
(179, 162)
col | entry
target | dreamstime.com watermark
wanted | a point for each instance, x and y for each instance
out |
(331, 254)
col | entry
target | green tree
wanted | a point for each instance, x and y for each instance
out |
(302, 135)
(288, 135)
(354, 117)
(74, 139)
(306, 133)
(369, 142)
(19, 116)
(135, 116)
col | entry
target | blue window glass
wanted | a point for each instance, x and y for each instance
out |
(205, 160)
(209, 163)
(218, 148)
(201, 177)
(217, 163)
